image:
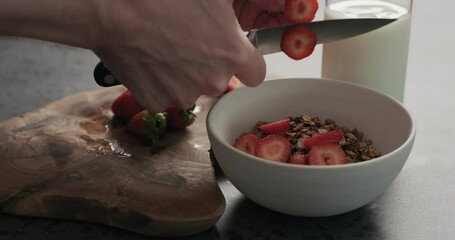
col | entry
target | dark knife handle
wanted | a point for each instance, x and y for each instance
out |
(104, 77)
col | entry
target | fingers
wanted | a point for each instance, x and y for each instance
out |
(268, 14)
(247, 15)
(274, 6)
(158, 89)
(143, 82)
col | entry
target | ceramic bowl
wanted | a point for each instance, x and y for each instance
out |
(306, 190)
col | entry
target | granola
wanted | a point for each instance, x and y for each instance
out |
(356, 147)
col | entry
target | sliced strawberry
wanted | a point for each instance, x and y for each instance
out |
(179, 118)
(125, 106)
(299, 158)
(233, 84)
(327, 154)
(147, 126)
(299, 11)
(298, 42)
(279, 127)
(273, 147)
(247, 143)
(328, 137)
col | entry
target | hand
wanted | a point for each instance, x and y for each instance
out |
(171, 54)
(167, 52)
(259, 13)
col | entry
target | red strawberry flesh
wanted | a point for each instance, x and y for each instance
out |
(273, 147)
(279, 127)
(328, 137)
(327, 154)
(298, 42)
(247, 143)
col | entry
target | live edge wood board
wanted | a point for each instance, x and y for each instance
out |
(71, 160)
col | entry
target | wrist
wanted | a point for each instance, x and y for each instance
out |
(65, 21)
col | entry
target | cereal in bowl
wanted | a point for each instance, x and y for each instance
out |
(306, 140)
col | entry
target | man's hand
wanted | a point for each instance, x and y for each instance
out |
(167, 52)
(259, 13)
(170, 52)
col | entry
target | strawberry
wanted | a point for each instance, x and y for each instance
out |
(273, 147)
(279, 127)
(327, 154)
(179, 118)
(299, 158)
(247, 143)
(233, 84)
(328, 137)
(298, 42)
(147, 126)
(125, 106)
(299, 11)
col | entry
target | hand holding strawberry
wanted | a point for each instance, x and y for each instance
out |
(146, 125)
(125, 106)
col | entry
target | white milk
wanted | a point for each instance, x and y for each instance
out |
(376, 59)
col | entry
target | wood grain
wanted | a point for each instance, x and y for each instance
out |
(70, 160)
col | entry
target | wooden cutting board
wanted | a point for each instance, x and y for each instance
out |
(70, 160)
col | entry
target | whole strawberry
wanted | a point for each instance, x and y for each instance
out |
(178, 118)
(125, 106)
(148, 126)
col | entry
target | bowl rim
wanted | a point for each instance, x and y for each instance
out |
(410, 138)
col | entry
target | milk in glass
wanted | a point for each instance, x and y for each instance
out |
(376, 59)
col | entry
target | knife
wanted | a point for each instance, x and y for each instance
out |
(267, 40)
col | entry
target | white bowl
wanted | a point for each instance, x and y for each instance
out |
(305, 190)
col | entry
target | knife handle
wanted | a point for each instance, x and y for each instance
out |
(104, 77)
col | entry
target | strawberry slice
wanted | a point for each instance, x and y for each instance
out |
(298, 42)
(233, 84)
(279, 127)
(299, 158)
(125, 106)
(247, 143)
(273, 147)
(298, 11)
(328, 137)
(327, 154)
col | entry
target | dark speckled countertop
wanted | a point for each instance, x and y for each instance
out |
(418, 205)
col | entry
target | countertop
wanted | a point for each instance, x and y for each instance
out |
(418, 205)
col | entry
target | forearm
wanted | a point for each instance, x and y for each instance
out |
(71, 22)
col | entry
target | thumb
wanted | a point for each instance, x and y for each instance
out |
(252, 70)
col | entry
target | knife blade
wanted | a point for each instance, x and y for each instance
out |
(267, 40)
